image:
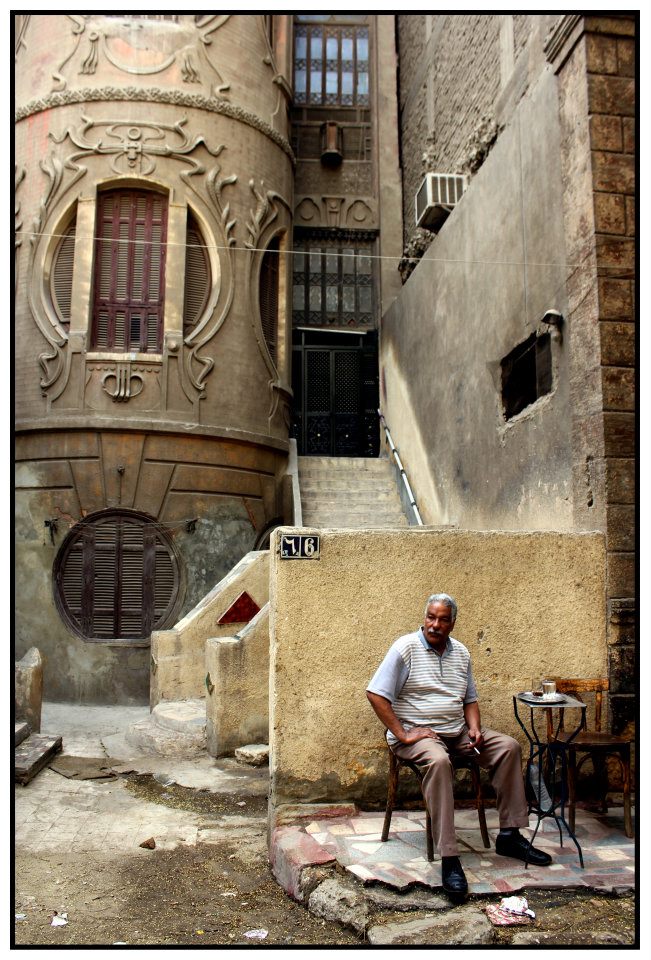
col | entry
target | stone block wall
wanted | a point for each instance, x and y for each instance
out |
(594, 58)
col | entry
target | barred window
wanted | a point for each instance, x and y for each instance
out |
(331, 61)
(129, 288)
(117, 577)
(332, 282)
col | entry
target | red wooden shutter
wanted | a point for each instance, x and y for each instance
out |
(130, 272)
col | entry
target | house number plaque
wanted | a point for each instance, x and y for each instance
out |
(299, 547)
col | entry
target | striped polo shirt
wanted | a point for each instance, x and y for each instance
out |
(425, 688)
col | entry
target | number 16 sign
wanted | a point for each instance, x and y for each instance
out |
(299, 547)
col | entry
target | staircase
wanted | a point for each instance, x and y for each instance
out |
(352, 492)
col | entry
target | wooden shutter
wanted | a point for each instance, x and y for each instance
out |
(61, 277)
(117, 577)
(197, 276)
(269, 297)
(130, 272)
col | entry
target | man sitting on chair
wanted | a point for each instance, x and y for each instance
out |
(425, 695)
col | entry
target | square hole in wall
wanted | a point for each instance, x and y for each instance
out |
(526, 374)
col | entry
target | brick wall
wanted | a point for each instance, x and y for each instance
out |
(449, 82)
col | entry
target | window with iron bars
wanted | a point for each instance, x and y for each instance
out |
(331, 60)
(332, 282)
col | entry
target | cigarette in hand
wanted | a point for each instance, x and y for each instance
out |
(476, 750)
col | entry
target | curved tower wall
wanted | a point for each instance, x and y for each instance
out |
(192, 431)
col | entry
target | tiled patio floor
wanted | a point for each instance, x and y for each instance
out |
(609, 856)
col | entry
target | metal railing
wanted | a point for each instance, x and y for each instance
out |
(392, 447)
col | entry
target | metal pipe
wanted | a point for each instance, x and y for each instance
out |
(403, 474)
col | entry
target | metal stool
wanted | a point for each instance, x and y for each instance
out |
(458, 763)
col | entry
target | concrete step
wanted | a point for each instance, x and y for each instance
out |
(354, 499)
(175, 728)
(353, 485)
(368, 522)
(342, 464)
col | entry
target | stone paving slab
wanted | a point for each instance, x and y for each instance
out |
(609, 856)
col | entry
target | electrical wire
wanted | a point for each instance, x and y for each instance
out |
(369, 256)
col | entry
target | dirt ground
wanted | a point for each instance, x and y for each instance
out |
(216, 892)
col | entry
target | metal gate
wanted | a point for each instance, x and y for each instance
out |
(336, 396)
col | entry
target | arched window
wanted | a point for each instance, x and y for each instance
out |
(61, 276)
(117, 577)
(269, 297)
(129, 289)
(197, 276)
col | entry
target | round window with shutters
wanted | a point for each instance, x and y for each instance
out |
(117, 577)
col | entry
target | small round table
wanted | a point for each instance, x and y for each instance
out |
(548, 801)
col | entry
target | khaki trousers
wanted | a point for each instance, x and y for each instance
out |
(499, 754)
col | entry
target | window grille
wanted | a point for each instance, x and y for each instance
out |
(331, 62)
(332, 283)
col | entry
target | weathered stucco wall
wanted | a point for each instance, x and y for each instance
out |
(529, 604)
(178, 668)
(237, 681)
(495, 268)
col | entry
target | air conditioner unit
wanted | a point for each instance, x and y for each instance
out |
(437, 195)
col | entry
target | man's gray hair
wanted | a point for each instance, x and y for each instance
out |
(443, 598)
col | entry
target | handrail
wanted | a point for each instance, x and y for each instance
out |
(403, 474)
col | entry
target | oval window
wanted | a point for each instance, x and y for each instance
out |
(117, 576)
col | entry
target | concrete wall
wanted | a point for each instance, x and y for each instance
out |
(529, 603)
(237, 682)
(488, 277)
(178, 668)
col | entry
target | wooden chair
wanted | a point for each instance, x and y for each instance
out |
(594, 745)
(459, 763)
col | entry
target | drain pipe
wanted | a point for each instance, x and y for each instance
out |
(410, 494)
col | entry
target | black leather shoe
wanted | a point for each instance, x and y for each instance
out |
(454, 879)
(517, 847)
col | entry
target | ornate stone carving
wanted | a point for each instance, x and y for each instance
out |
(124, 377)
(184, 43)
(20, 34)
(336, 212)
(196, 367)
(271, 215)
(157, 95)
(134, 144)
(264, 214)
(19, 176)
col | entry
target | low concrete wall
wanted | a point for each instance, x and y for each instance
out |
(178, 655)
(28, 689)
(237, 681)
(529, 604)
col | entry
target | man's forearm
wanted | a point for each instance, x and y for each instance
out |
(471, 713)
(385, 713)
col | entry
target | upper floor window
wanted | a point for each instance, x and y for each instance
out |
(129, 289)
(331, 61)
(332, 282)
